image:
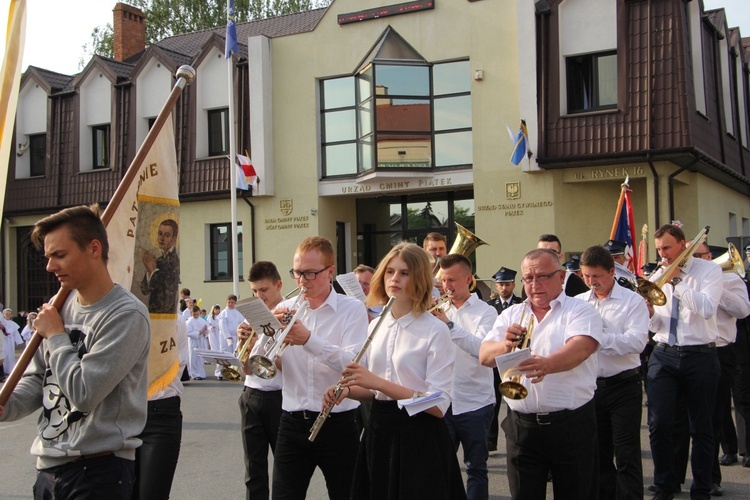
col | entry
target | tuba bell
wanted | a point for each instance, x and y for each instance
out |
(731, 261)
(465, 243)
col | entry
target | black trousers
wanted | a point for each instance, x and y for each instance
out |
(334, 451)
(567, 446)
(723, 403)
(494, 425)
(618, 419)
(673, 371)
(156, 459)
(107, 477)
(260, 412)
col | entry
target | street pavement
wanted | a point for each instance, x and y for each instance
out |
(211, 461)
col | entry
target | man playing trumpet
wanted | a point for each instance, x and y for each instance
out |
(260, 401)
(473, 397)
(550, 430)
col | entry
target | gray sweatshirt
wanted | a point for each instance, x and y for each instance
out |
(91, 384)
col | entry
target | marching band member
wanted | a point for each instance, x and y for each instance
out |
(260, 401)
(617, 250)
(322, 343)
(505, 283)
(733, 305)
(684, 360)
(573, 285)
(404, 456)
(550, 430)
(619, 395)
(473, 395)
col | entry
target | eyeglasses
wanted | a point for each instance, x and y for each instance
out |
(541, 279)
(699, 255)
(308, 275)
(364, 283)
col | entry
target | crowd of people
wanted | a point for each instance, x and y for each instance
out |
(574, 350)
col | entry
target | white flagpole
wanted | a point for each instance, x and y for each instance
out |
(233, 180)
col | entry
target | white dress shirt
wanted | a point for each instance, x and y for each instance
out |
(262, 384)
(338, 329)
(625, 319)
(733, 305)
(699, 293)
(415, 352)
(568, 317)
(472, 382)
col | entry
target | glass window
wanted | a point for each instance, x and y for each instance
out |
(453, 149)
(592, 82)
(453, 112)
(338, 93)
(339, 126)
(452, 78)
(410, 125)
(100, 143)
(221, 251)
(402, 80)
(218, 132)
(37, 154)
(341, 159)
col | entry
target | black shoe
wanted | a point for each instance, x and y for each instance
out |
(652, 488)
(716, 491)
(661, 495)
(3, 379)
(219, 378)
(728, 459)
(746, 460)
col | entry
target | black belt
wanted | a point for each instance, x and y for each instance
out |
(705, 348)
(166, 404)
(260, 392)
(312, 415)
(550, 417)
(614, 379)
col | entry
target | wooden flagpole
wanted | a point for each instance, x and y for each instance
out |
(185, 75)
(625, 185)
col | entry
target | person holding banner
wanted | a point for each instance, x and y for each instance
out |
(89, 376)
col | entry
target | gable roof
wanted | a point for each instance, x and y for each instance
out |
(54, 81)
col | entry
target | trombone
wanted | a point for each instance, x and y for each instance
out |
(264, 365)
(511, 386)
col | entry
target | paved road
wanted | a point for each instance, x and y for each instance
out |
(211, 463)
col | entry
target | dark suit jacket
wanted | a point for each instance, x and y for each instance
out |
(497, 303)
(162, 288)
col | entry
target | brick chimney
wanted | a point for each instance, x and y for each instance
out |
(129, 36)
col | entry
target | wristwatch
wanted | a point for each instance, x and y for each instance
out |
(450, 325)
(676, 281)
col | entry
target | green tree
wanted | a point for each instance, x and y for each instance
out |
(165, 18)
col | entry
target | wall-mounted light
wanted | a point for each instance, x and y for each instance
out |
(478, 75)
(22, 148)
(313, 211)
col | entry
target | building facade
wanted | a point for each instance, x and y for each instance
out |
(371, 122)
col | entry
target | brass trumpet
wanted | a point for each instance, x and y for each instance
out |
(511, 386)
(444, 299)
(242, 353)
(264, 365)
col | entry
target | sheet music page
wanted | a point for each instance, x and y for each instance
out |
(421, 403)
(258, 315)
(351, 286)
(511, 359)
(217, 357)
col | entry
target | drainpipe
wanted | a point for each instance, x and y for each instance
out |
(656, 189)
(252, 224)
(671, 186)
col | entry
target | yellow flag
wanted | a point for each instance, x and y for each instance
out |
(144, 251)
(11, 80)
